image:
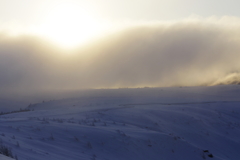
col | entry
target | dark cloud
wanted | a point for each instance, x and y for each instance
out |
(156, 55)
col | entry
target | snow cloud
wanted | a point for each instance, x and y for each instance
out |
(184, 53)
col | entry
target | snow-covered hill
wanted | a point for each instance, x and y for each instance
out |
(188, 123)
(2, 157)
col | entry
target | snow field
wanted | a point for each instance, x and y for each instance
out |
(170, 123)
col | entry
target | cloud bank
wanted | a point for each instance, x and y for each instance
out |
(184, 53)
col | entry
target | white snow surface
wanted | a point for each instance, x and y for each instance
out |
(2, 157)
(178, 123)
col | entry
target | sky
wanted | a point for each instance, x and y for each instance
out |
(35, 11)
(59, 45)
(50, 18)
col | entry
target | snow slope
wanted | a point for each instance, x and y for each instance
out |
(2, 157)
(188, 123)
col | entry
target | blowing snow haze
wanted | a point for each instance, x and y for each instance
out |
(184, 53)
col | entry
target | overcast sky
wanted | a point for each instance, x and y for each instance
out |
(162, 43)
(32, 11)
(27, 13)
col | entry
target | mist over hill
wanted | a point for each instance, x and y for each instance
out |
(183, 53)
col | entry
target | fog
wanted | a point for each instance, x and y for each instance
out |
(183, 53)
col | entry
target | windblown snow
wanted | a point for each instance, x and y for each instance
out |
(188, 123)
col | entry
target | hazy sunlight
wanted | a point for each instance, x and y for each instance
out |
(70, 26)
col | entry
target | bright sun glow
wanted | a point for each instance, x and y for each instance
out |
(70, 26)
